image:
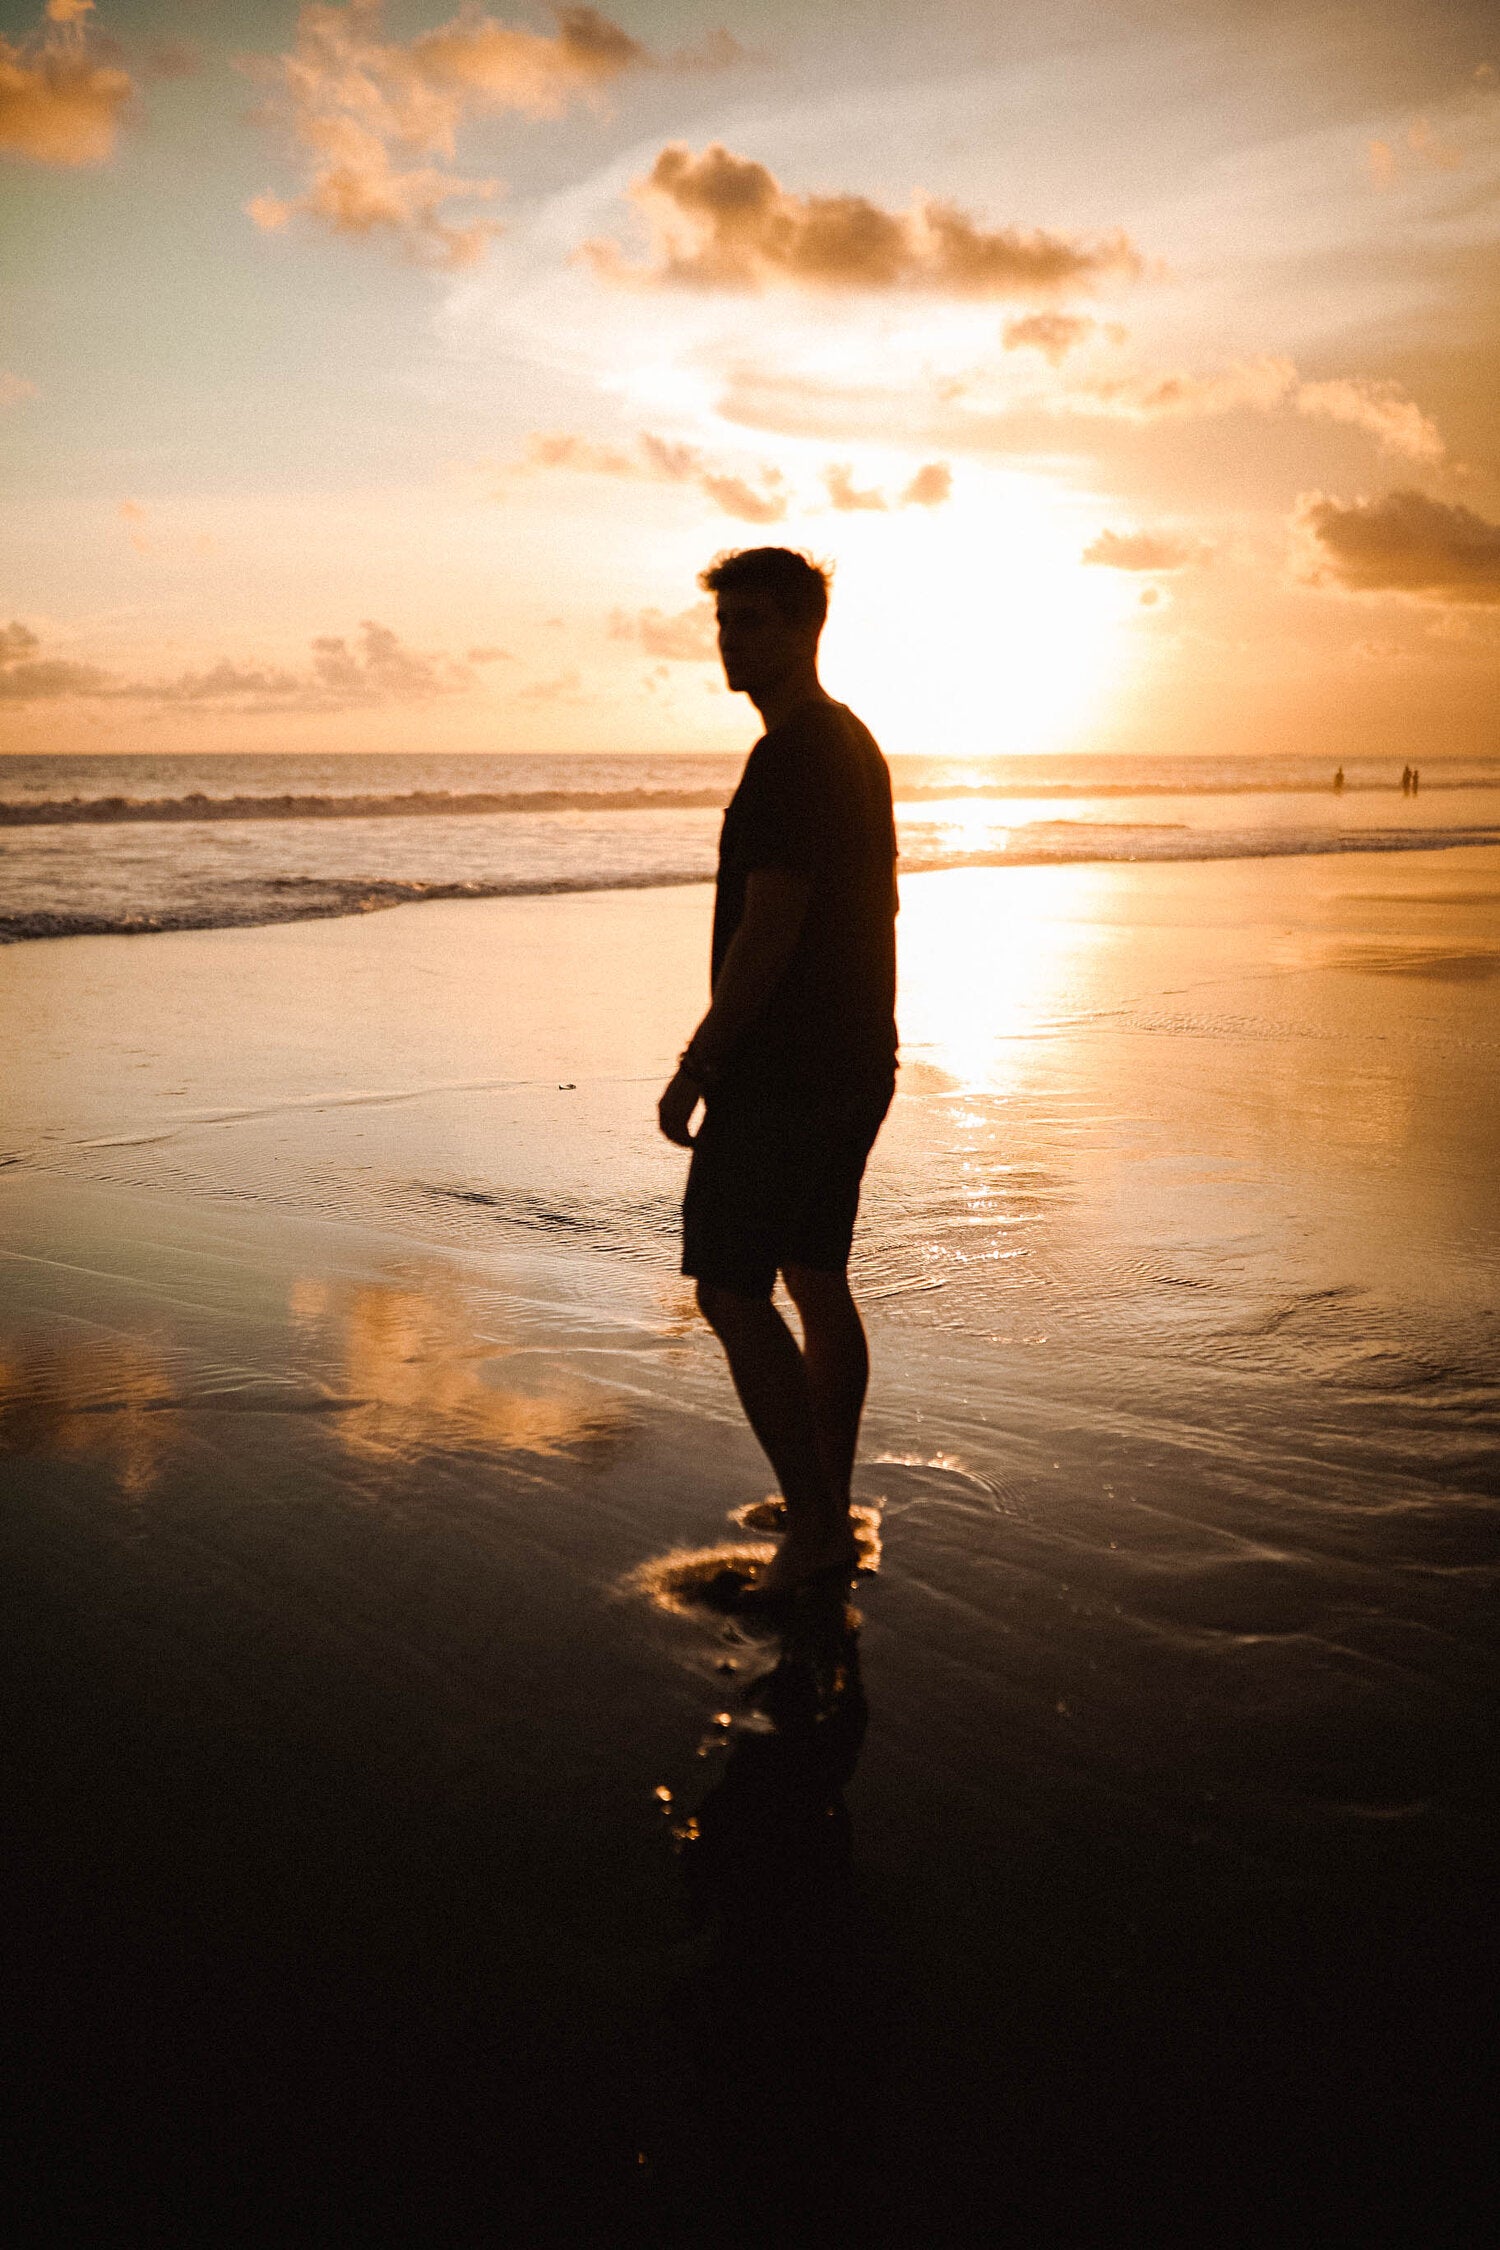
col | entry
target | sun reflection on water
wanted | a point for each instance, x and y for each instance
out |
(989, 956)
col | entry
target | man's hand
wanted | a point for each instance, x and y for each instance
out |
(675, 1109)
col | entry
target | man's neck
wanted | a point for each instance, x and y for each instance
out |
(778, 700)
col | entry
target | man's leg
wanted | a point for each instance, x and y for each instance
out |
(836, 1361)
(771, 1377)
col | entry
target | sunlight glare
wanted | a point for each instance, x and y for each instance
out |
(983, 634)
(991, 955)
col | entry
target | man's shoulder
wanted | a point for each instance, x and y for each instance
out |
(817, 729)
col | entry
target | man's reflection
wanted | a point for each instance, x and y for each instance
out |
(772, 2025)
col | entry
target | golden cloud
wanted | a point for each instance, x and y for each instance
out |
(366, 115)
(1053, 334)
(1264, 385)
(1257, 385)
(13, 388)
(687, 638)
(27, 678)
(1395, 421)
(930, 487)
(724, 222)
(761, 497)
(58, 104)
(378, 668)
(845, 495)
(1404, 543)
(1143, 550)
(665, 461)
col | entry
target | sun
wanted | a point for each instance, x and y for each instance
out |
(975, 630)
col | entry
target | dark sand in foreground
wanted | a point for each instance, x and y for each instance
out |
(1127, 1871)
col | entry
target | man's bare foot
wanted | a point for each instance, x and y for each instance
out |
(808, 1554)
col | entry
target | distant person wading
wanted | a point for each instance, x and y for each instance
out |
(795, 1061)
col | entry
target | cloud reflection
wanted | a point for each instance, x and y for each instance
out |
(420, 1378)
(111, 1398)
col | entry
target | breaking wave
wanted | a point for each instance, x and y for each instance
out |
(416, 804)
(301, 898)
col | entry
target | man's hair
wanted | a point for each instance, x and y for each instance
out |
(796, 584)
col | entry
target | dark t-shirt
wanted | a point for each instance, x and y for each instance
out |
(815, 798)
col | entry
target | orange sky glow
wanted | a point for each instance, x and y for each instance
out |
(380, 377)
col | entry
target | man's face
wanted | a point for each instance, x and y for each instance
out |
(757, 644)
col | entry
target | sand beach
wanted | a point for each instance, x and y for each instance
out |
(408, 1853)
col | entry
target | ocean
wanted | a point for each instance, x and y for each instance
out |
(99, 844)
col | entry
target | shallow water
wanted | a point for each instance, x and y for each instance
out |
(144, 844)
(348, 1389)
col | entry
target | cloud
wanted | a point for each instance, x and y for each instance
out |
(844, 495)
(1405, 543)
(1053, 334)
(222, 680)
(721, 221)
(1264, 385)
(1259, 385)
(737, 498)
(930, 487)
(488, 656)
(378, 668)
(374, 121)
(13, 388)
(59, 104)
(1395, 421)
(26, 679)
(760, 497)
(687, 638)
(1143, 550)
(382, 670)
(665, 461)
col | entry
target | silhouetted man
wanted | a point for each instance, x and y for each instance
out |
(796, 1059)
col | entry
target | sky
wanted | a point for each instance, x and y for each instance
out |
(380, 378)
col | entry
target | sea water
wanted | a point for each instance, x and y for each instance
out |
(137, 843)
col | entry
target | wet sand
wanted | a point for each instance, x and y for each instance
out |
(413, 1848)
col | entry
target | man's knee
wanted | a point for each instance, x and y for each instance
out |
(815, 1289)
(726, 1310)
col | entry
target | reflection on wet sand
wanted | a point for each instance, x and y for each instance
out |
(419, 1378)
(765, 2138)
(395, 1371)
(110, 1398)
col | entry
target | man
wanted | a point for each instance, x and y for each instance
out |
(795, 1060)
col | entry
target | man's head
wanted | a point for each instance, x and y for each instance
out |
(771, 605)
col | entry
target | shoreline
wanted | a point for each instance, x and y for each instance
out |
(345, 899)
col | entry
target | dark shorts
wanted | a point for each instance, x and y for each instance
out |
(774, 1186)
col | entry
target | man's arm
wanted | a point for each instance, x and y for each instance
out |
(776, 902)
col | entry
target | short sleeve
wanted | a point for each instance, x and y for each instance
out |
(791, 815)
